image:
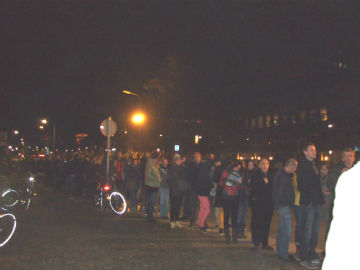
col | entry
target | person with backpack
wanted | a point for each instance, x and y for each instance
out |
(230, 181)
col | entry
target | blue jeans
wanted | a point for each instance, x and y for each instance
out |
(284, 232)
(297, 212)
(164, 201)
(150, 200)
(242, 213)
(311, 216)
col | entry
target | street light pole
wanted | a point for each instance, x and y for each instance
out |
(53, 139)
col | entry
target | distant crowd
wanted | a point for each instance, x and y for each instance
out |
(196, 185)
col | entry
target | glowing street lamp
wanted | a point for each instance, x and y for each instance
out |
(44, 121)
(41, 127)
(126, 92)
(16, 132)
(138, 118)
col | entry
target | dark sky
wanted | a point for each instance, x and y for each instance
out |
(69, 60)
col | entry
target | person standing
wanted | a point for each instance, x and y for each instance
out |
(119, 167)
(219, 201)
(202, 184)
(177, 186)
(284, 198)
(164, 190)
(297, 213)
(261, 205)
(152, 184)
(311, 199)
(244, 200)
(133, 181)
(230, 181)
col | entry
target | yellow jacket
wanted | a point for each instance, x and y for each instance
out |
(297, 192)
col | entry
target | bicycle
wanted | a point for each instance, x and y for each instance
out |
(7, 220)
(11, 197)
(7, 227)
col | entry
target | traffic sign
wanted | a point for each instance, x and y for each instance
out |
(108, 127)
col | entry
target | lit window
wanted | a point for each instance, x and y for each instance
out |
(268, 121)
(323, 114)
(293, 119)
(276, 119)
(260, 122)
(303, 116)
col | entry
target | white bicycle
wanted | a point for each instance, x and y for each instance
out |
(7, 227)
(116, 200)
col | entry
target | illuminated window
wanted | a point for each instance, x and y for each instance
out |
(323, 114)
(276, 119)
(302, 116)
(293, 119)
(253, 122)
(268, 121)
(260, 122)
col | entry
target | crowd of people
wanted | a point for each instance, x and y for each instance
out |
(195, 185)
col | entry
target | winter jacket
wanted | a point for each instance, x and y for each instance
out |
(176, 180)
(261, 193)
(282, 189)
(164, 176)
(199, 178)
(230, 181)
(309, 184)
(152, 174)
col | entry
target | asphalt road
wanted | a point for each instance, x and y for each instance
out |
(60, 233)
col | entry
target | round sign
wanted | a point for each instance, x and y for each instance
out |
(108, 127)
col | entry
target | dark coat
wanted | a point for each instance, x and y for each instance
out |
(176, 180)
(283, 189)
(261, 193)
(309, 184)
(199, 178)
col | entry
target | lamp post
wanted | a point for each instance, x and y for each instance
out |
(138, 119)
(43, 123)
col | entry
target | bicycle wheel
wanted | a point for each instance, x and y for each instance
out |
(9, 198)
(117, 203)
(7, 228)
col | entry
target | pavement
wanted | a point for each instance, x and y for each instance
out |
(60, 233)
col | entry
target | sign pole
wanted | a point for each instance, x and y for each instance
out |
(108, 149)
(108, 128)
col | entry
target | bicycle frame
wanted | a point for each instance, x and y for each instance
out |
(12, 230)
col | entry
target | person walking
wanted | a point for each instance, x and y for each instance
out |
(284, 198)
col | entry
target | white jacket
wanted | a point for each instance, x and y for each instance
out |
(343, 242)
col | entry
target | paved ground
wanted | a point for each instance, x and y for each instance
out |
(59, 233)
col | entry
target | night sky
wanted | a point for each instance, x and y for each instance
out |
(70, 60)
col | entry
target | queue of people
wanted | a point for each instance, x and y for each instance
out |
(194, 186)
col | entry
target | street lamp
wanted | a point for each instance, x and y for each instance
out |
(44, 121)
(138, 118)
(126, 92)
